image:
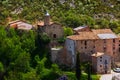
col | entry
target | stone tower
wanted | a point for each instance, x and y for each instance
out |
(47, 19)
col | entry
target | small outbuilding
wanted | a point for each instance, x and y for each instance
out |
(101, 63)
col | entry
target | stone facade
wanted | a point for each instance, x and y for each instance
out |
(87, 43)
(53, 30)
(101, 63)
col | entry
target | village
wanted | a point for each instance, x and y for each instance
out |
(100, 47)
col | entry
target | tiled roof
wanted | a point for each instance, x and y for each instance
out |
(94, 34)
(101, 31)
(20, 25)
(98, 54)
(41, 23)
(84, 36)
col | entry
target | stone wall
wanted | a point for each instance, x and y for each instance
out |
(54, 31)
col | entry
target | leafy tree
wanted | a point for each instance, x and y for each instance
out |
(40, 65)
(89, 71)
(32, 75)
(22, 63)
(68, 31)
(1, 71)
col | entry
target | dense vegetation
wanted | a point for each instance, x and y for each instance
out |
(25, 56)
(71, 13)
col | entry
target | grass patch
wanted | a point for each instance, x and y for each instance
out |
(95, 77)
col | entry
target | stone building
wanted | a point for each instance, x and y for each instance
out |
(101, 63)
(81, 29)
(93, 41)
(53, 30)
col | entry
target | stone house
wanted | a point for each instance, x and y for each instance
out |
(53, 30)
(20, 25)
(81, 29)
(89, 42)
(101, 63)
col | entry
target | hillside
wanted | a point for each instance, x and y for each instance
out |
(71, 13)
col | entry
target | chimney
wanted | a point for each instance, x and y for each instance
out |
(47, 19)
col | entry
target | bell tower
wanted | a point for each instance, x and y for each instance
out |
(47, 19)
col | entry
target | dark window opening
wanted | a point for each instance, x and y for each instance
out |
(54, 35)
(113, 52)
(85, 42)
(106, 62)
(119, 44)
(113, 40)
(85, 47)
(113, 48)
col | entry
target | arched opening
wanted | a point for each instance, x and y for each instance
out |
(54, 36)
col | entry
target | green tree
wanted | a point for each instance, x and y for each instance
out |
(40, 64)
(68, 31)
(1, 71)
(89, 71)
(22, 63)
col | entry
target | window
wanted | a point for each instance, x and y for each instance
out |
(113, 40)
(106, 62)
(119, 44)
(54, 35)
(85, 42)
(100, 60)
(100, 57)
(91, 51)
(113, 53)
(85, 47)
(100, 65)
(113, 48)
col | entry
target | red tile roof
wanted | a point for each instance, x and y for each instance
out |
(90, 35)
(83, 36)
(20, 25)
(101, 31)
(41, 23)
